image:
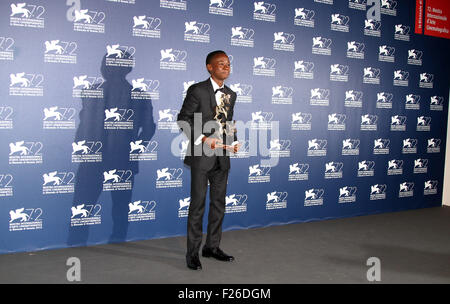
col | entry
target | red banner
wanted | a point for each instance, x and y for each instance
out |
(419, 17)
(436, 22)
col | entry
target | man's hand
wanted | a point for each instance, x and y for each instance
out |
(237, 147)
(213, 143)
(233, 148)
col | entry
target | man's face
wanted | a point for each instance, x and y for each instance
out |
(219, 68)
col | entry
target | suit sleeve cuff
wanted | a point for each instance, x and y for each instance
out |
(199, 140)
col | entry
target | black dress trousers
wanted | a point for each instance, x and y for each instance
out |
(217, 178)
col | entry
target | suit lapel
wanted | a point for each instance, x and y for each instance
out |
(212, 97)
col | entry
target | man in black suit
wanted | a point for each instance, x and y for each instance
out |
(205, 119)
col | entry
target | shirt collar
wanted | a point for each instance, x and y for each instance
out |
(215, 85)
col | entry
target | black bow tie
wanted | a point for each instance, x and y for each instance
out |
(219, 90)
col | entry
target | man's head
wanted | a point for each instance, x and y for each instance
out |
(218, 65)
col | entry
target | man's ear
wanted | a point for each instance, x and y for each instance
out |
(209, 68)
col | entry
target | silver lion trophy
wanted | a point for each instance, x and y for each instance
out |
(226, 129)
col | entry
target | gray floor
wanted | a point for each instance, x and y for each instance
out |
(413, 247)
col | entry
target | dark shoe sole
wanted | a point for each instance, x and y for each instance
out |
(211, 256)
(195, 268)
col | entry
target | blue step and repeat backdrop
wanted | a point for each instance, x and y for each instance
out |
(351, 111)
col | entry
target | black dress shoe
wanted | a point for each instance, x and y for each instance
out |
(216, 253)
(193, 262)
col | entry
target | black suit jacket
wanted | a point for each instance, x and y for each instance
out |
(200, 99)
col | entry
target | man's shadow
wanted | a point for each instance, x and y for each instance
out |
(108, 126)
